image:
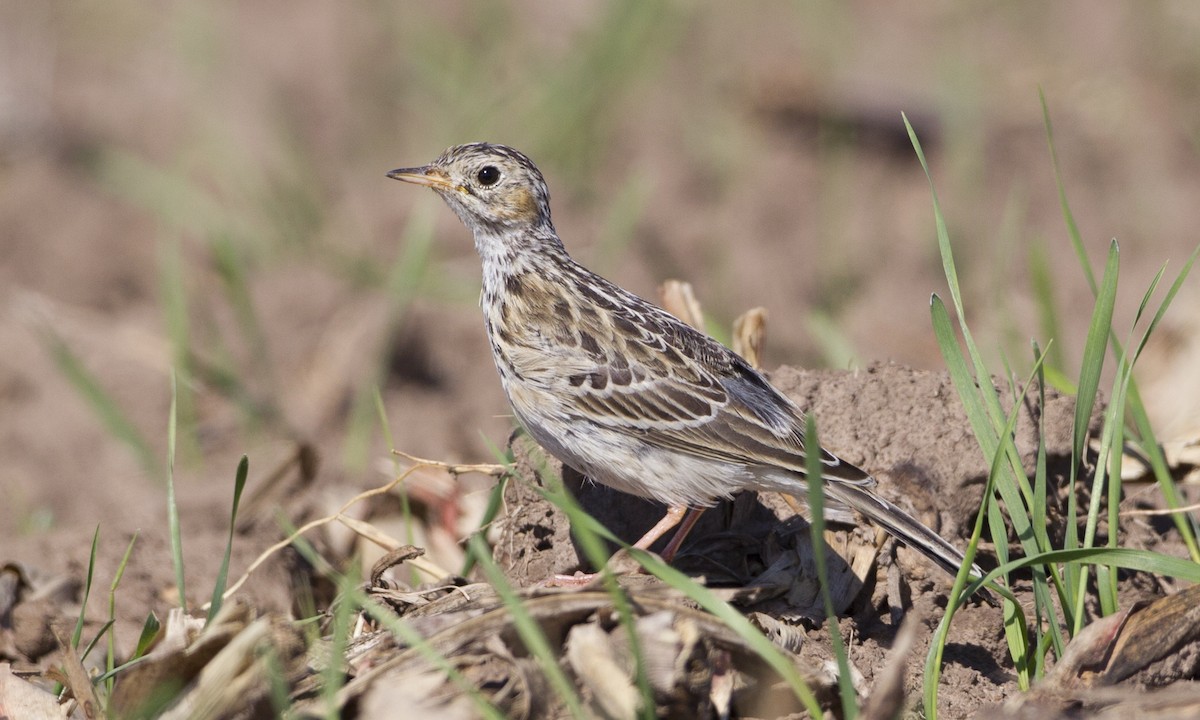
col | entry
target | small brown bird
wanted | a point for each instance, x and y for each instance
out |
(620, 389)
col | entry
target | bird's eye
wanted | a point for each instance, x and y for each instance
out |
(488, 175)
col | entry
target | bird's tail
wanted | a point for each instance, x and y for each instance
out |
(903, 527)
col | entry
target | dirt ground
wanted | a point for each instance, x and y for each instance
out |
(204, 190)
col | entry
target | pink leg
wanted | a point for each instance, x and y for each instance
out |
(689, 522)
(674, 515)
(671, 519)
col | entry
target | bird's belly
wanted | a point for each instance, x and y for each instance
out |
(628, 463)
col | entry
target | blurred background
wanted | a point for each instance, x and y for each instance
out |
(200, 187)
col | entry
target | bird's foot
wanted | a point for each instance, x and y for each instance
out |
(620, 564)
(578, 580)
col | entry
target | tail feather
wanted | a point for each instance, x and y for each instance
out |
(903, 527)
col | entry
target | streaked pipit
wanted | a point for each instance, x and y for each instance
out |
(618, 388)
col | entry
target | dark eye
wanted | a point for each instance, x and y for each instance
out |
(488, 175)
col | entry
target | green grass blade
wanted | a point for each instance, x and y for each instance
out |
(1100, 478)
(218, 594)
(1094, 349)
(1045, 614)
(978, 410)
(989, 440)
(490, 513)
(1042, 279)
(589, 533)
(1113, 442)
(1166, 302)
(150, 629)
(1188, 527)
(410, 637)
(110, 658)
(87, 650)
(982, 375)
(177, 321)
(1186, 523)
(943, 235)
(985, 424)
(816, 504)
(1038, 507)
(231, 269)
(176, 537)
(736, 622)
(529, 631)
(1128, 558)
(1137, 317)
(103, 405)
(1016, 632)
(960, 376)
(1106, 578)
(583, 525)
(77, 634)
(385, 427)
(1068, 216)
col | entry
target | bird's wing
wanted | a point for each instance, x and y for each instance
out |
(652, 376)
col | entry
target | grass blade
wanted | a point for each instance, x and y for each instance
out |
(1068, 216)
(590, 535)
(177, 321)
(96, 639)
(816, 505)
(176, 536)
(529, 631)
(1044, 610)
(150, 629)
(585, 526)
(736, 622)
(977, 392)
(1128, 558)
(106, 408)
(1014, 620)
(110, 659)
(1042, 279)
(385, 427)
(218, 595)
(410, 637)
(1094, 351)
(77, 634)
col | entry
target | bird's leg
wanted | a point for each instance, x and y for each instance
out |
(671, 519)
(674, 515)
(685, 527)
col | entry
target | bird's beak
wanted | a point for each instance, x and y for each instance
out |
(426, 175)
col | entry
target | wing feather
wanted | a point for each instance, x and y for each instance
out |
(678, 389)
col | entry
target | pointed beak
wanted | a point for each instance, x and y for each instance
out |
(426, 175)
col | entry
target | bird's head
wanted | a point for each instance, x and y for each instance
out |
(492, 188)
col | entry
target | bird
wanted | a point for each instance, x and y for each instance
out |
(619, 389)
